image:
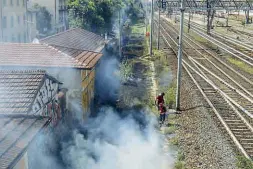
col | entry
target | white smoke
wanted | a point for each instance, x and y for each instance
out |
(116, 143)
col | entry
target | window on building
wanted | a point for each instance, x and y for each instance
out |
(23, 2)
(31, 17)
(17, 2)
(5, 39)
(24, 36)
(4, 22)
(18, 20)
(11, 2)
(19, 37)
(4, 2)
(12, 21)
(13, 38)
(24, 19)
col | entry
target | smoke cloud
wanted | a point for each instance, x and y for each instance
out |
(107, 82)
(109, 141)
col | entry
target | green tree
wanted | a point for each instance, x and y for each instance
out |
(43, 17)
(93, 15)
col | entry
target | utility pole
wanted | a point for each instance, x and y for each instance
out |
(151, 28)
(158, 33)
(179, 67)
(119, 35)
(189, 22)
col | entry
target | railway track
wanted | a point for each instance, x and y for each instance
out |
(221, 43)
(231, 101)
(245, 48)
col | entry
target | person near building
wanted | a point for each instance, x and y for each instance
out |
(159, 99)
(162, 110)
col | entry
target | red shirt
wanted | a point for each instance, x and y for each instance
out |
(161, 109)
(160, 99)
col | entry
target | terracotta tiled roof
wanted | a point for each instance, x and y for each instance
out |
(16, 134)
(18, 90)
(38, 55)
(84, 57)
(76, 38)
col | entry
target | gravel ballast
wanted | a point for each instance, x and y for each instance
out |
(200, 139)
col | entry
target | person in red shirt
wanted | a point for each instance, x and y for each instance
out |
(159, 99)
(162, 110)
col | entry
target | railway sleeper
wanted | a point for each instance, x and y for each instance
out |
(237, 126)
(227, 118)
(247, 145)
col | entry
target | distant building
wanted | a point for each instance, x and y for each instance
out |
(17, 22)
(59, 12)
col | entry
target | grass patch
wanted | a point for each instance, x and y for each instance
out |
(126, 70)
(244, 163)
(180, 156)
(170, 95)
(138, 29)
(241, 65)
(180, 165)
(170, 130)
(174, 141)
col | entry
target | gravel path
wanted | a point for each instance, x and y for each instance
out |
(200, 139)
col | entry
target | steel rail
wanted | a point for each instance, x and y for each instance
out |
(203, 74)
(224, 46)
(229, 39)
(245, 90)
(233, 137)
(221, 45)
(221, 62)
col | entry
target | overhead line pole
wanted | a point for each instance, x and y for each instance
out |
(179, 67)
(151, 28)
(119, 36)
(158, 33)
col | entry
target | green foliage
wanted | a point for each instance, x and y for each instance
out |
(241, 65)
(180, 165)
(43, 18)
(174, 141)
(170, 130)
(126, 70)
(170, 95)
(96, 15)
(244, 163)
(93, 15)
(243, 23)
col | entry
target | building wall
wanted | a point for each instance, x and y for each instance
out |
(22, 163)
(14, 21)
(88, 80)
(55, 9)
(80, 85)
